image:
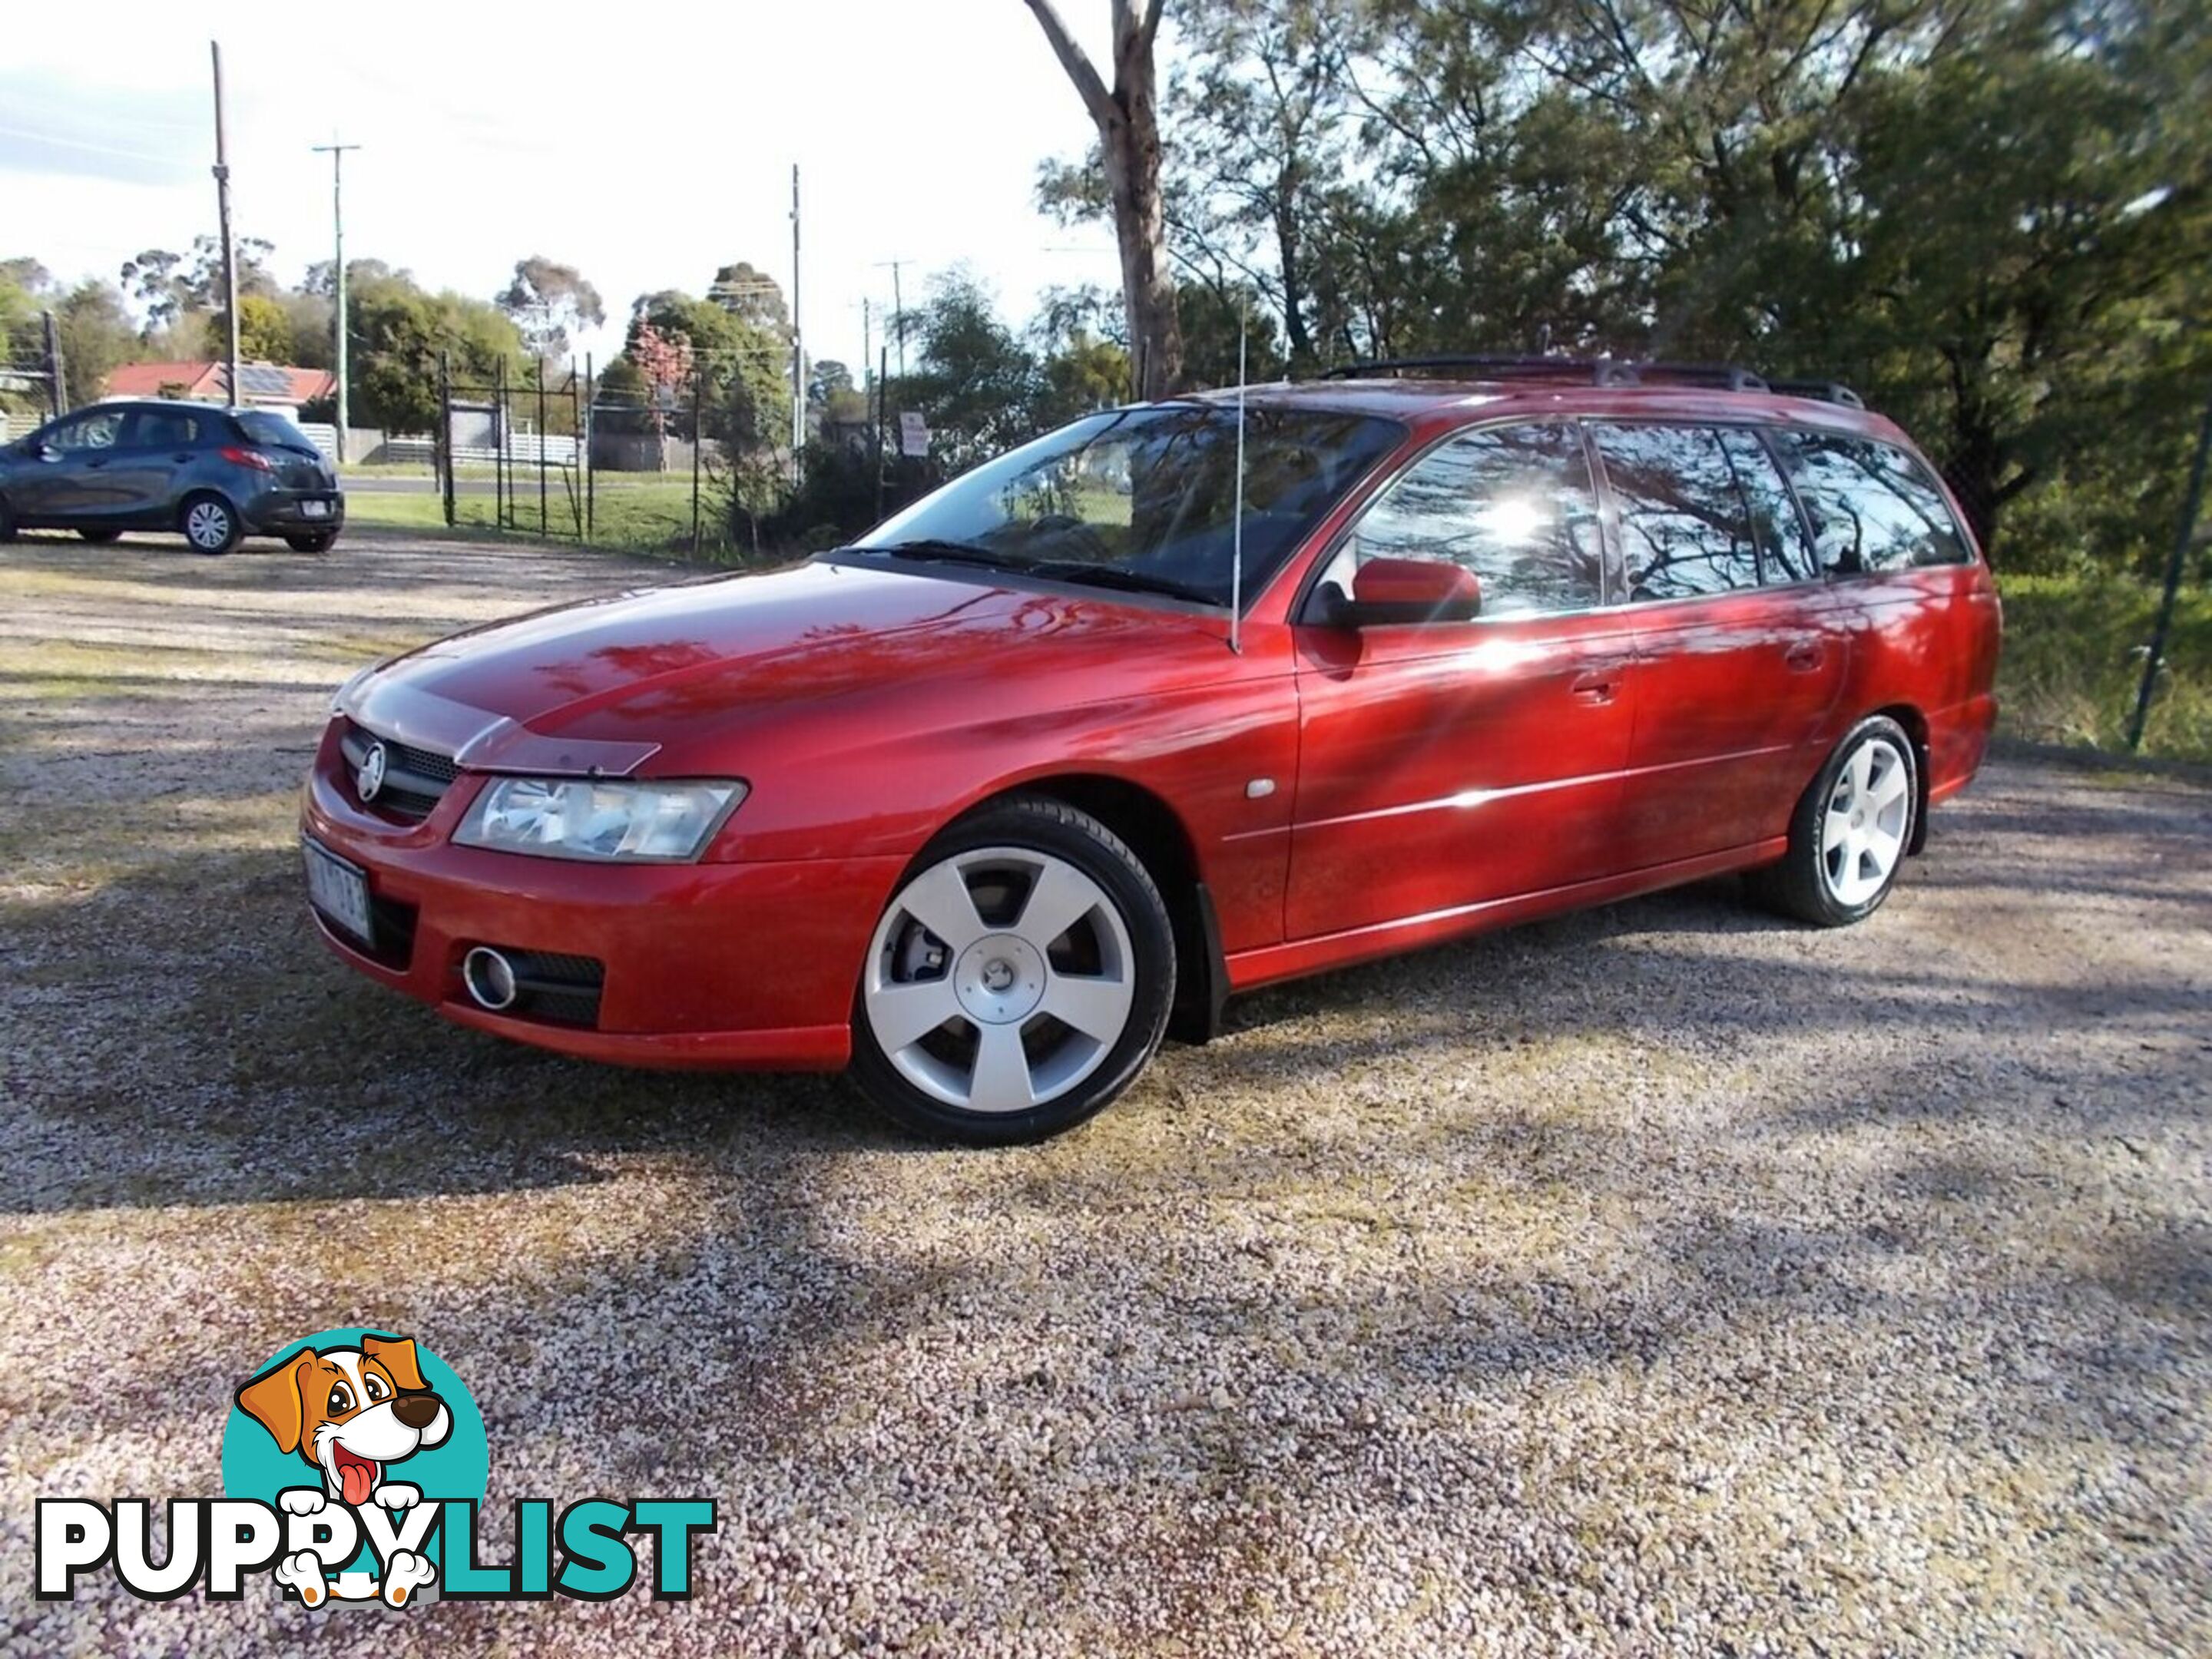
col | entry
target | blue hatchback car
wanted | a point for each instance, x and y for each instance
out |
(211, 474)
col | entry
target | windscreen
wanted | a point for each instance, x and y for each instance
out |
(1147, 497)
(273, 431)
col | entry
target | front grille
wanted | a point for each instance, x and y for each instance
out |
(414, 779)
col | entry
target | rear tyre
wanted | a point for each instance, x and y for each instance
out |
(211, 524)
(1018, 979)
(99, 538)
(316, 541)
(1848, 834)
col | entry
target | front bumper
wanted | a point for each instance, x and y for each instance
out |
(736, 965)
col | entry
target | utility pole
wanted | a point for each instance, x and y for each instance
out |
(898, 310)
(798, 352)
(223, 217)
(337, 152)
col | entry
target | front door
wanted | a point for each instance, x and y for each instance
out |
(1740, 648)
(69, 480)
(1443, 765)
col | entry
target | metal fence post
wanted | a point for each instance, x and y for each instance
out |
(443, 449)
(591, 468)
(542, 521)
(56, 388)
(2190, 506)
(698, 402)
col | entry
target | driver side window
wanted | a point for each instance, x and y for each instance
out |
(98, 430)
(1513, 505)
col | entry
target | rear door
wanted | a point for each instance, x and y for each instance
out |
(156, 445)
(1446, 764)
(1741, 649)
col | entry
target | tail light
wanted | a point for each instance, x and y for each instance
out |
(254, 458)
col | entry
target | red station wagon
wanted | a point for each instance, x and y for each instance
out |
(1180, 700)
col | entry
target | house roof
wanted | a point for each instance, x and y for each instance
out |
(259, 383)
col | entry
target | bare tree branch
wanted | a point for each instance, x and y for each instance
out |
(1072, 59)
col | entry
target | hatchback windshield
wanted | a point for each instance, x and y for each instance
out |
(1144, 499)
(273, 431)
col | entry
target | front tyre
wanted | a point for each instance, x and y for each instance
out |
(1848, 836)
(1018, 981)
(211, 524)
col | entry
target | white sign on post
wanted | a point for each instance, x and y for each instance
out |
(914, 434)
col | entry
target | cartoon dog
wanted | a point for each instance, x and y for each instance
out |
(351, 1413)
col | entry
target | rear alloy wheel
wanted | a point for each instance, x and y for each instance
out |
(315, 541)
(99, 538)
(1018, 981)
(1849, 836)
(209, 525)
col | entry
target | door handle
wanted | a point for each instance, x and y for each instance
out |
(102, 462)
(1803, 657)
(186, 456)
(1597, 685)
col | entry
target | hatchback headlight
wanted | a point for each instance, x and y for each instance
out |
(599, 818)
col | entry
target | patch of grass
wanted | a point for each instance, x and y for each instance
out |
(650, 513)
(2074, 652)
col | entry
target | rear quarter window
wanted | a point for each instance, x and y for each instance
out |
(1872, 506)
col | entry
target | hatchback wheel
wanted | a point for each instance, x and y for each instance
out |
(1848, 837)
(210, 524)
(1018, 980)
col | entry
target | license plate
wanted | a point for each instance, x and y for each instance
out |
(339, 890)
(314, 510)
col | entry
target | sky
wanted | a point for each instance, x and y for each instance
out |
(646, 159)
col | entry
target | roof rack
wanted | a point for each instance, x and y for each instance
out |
(1595, 371)
(1827, 391)
(1729, 377)
(1490, 365)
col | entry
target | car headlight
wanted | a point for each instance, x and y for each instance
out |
(599, 818)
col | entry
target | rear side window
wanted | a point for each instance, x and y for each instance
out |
(163, 428)
(1872, 508)
(1513, 504)
(1684, 528)
(1774, 520)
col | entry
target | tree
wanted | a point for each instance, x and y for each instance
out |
(400, 333)
(1127, 119)
(974, 382)
(551, 302)
(265, 332)
(97, 336)
(753, 297)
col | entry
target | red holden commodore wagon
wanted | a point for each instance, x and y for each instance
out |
(1174, 703)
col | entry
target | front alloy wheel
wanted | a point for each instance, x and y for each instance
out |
(1017, 981)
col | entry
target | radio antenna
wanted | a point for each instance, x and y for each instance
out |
(1236, 525)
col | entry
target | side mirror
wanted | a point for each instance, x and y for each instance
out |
(1385, 592)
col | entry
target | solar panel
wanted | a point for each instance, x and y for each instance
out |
(264, 380)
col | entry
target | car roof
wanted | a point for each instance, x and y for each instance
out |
(1430, 403)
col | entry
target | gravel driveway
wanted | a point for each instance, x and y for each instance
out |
(1662, 1278)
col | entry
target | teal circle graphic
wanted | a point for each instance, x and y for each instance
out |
(459, 1467)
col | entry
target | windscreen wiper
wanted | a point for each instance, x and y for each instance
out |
(1115, 575)
(932, 549)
